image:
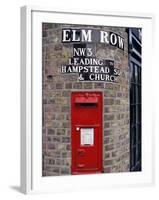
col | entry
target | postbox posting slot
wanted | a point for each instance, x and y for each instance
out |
(86, 101)
(84, 104)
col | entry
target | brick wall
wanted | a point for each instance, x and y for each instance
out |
(57, 87)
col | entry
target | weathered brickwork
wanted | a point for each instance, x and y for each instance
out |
(57, 88)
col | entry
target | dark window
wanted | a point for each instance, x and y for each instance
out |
(135, 48)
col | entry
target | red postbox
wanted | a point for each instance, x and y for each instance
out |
(86, 117)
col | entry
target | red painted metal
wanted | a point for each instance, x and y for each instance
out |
(86, 112)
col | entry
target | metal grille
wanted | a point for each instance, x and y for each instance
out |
(135, 48)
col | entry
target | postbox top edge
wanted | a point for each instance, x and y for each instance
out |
(90, 93)
(86, 100)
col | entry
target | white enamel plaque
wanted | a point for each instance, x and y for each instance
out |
(87, 136)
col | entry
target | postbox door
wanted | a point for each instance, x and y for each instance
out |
(86, 132)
